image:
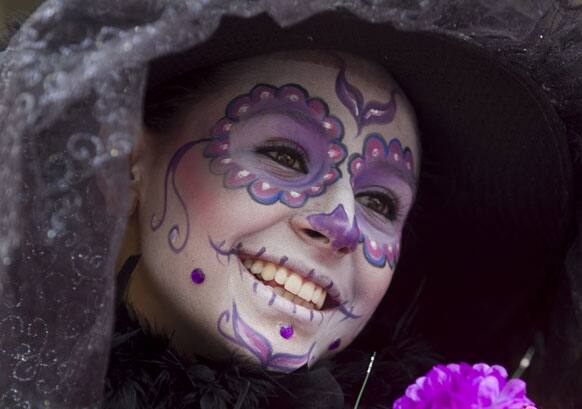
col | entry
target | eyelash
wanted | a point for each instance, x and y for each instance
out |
(391, 202)
(274, 148)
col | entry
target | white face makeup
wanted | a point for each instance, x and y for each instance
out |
(270, 223)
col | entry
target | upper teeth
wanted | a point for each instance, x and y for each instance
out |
(305, 291)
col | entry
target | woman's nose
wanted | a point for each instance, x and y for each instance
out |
(333, 231)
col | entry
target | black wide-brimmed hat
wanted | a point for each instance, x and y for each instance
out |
(495, 205)
(484, 262)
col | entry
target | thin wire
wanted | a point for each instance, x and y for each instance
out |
(365, 380)
(525, 362)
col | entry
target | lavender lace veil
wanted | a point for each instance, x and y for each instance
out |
(71, 84)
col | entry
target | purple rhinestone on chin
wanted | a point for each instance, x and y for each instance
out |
(335, 344)
(286, 331)
(198, 276)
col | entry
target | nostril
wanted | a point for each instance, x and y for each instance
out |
(316, 235)
(344, 250)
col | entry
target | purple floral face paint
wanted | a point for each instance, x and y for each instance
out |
(274, 144)
(383, 170)
(279, 143)
(257, 344)
(372, 112)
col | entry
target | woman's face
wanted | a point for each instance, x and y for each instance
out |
(270, 222)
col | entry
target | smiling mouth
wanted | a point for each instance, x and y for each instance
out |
(289, 284)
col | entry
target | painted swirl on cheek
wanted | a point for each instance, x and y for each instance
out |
(264, 98)
(257, 344)
(156, 222)
(372, 112)
(380, 251)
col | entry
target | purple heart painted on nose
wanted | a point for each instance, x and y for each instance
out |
(337, 228)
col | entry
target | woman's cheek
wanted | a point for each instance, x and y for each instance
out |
(371, 283)
(200, 188)
(216, 209)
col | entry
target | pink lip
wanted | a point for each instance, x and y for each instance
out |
(322, 280)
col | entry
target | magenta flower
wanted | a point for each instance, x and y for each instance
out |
(461, 386)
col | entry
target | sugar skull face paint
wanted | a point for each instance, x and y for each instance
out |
(384, 171)
(364, 113)
(270, 188)
(298, 141)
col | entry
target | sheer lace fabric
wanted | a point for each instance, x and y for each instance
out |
(71, 82)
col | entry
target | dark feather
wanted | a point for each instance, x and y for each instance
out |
(146, 373)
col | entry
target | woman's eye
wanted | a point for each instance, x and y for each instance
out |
(379, 202)
(287, 156)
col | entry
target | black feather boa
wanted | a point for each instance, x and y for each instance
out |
(145, 373)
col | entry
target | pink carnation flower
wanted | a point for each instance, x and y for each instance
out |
(462, 386)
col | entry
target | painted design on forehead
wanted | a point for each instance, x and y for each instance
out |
(337, 228)
(175, 234)
(257, 344)
(377, 150)
(372, 112)
(264, 98)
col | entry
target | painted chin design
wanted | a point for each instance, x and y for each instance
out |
(263, 98)
(232, 327)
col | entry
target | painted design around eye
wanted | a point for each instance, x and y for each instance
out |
(263, 97)
(379, 252)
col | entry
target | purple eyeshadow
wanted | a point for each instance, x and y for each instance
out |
(370, 168)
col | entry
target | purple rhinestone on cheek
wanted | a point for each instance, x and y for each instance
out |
(198, 276)
(286, 331)
(335, 344)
